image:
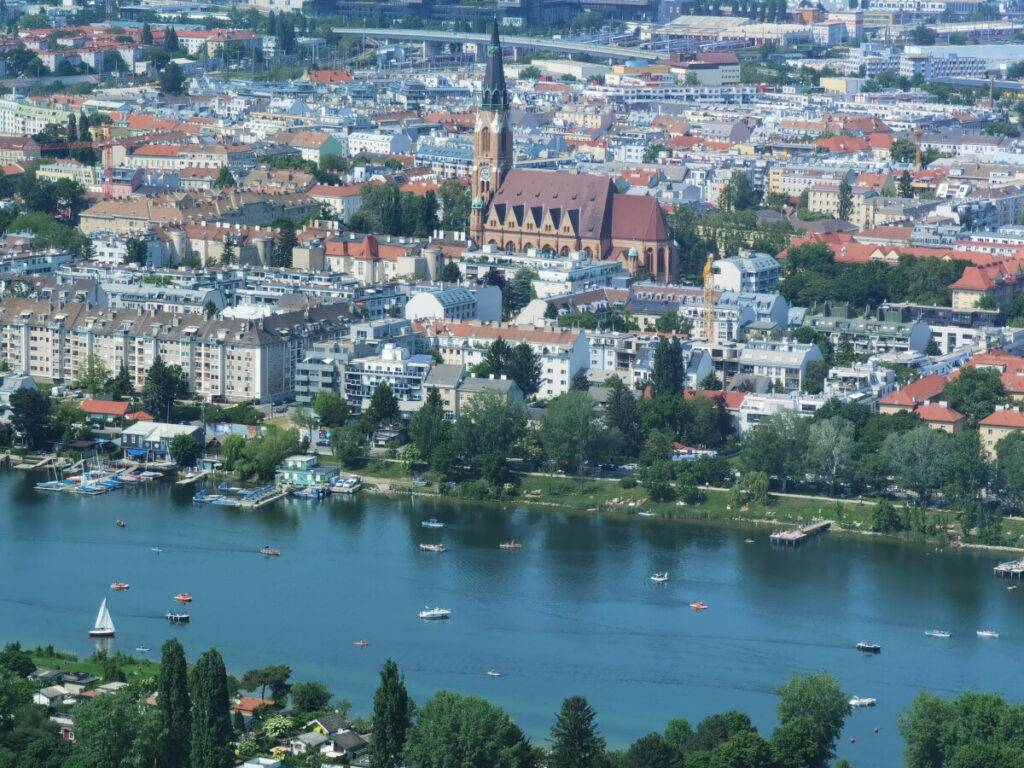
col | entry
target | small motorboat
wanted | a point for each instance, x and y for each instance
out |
(857, 701)
(510, 545)
(698, 606)
(184, 598)
(158, 550)
(646, 514)
(432, 523)
(141, 649)
(439, 548)
(868, 647)
(938, 633)
(493, 673)
(432, 614)
(119, 523)
(748, 541)
(360, 643)
(120, 586)
(659, 578)
(987, 633)
(1012, 587)
(268, 552)
(178, 618)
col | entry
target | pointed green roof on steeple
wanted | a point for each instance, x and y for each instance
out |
(494, 96)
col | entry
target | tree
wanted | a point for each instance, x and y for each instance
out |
(172, 78)
(737, 194)
(121, 385)
(173, 706)
(286, 242)
(451, 273)
(227, 251)
(383, 407)
(575, 741)
(580, 381)
(496, 357)
(530, 72)
(845, 200)
(392, 713)
(975, 392)
(147, 34)
(1010, 470)
(347, 444)
(913, 457)
(31, 416)
(885, 518)
(652, 152)
(16, 661)
(171, 41)
(330, 407)
(210, 309)
(830, 450)
(903, 151)
(571, 432)
(818, 699)
(164, 384)
(224, 179)
(184, 450)
(517, 293)
(136, 251)
(776, 446)
(489, 421)
(453, 199)
(524, 369)
(453, 730)
(275, 677)
(922, 35)
(667, 370)
(427, 427)
(211, 718)
(285, 35)
(650, 751)
(906, 186)
(232, 450)
(622, 413)
(72, 130)
(93, 375)
(310, 697)
(105, 734)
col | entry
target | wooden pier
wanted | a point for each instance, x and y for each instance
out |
(267, 499)
(192, 478)
(1014, 569)
(797, 536)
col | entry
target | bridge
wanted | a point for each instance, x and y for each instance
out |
(440, 37)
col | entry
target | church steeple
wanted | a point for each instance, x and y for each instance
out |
(494, 96)
(492, 139)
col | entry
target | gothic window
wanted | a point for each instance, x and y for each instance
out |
(510, 246)
(485, 140)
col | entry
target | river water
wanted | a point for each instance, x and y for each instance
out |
(572, 612)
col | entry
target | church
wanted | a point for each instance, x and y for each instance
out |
(521, 209)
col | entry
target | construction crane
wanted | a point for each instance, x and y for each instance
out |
(709, 300)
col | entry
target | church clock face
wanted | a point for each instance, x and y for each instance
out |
(485, 174)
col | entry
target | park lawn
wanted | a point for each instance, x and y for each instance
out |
(133, 667)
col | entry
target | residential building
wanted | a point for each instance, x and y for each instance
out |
(404, 372)
(304, 471)
(456, 387)
(748, 272)
(921, 392)
(885, 330)
(455, 303)
(149, 440)
(784, 363)
(994, 427)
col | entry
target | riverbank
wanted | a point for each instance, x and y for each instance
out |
(606, 496)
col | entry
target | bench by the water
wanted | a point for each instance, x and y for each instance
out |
(797, 536)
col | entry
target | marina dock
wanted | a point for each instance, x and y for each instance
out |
(188, 480)
(797, 536)
(1013, 569)
(262, 496)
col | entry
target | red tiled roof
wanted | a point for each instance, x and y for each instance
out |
(141, 416)
(917, 392)
(939, 413)
(105, 407)
(732, 399)
(248, 704)
(1009, 417)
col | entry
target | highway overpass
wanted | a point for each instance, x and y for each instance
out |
(507, 42)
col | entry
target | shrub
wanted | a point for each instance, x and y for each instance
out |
(627, 482)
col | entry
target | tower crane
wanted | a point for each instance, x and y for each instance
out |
(709, 299)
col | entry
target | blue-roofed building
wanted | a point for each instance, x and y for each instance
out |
(404, 372)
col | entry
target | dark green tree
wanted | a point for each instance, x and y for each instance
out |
(136, 251)
(453, 199)
(163, 386)
(383, 406)
(172, 78)
(845, 200)
(147, 34)
(227, 251)
(224, 179)
(173, 706)
(667, 370)
(31, 415)
(286, 242)
(121, 385)
(575, 741)
(622, 413)
(975, 392)
(330, 407)
(184, 450)
(496, 358)
(427, 427)
(310, 697)
(815, 707)
(392, 712)
(571, 433)
(906, 188)
(524, 368)
(211, 717)
(171, 41)
(274, 677)
(72, 132)
(650, 751)
(451, 273)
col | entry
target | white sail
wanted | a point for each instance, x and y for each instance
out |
(103, 621)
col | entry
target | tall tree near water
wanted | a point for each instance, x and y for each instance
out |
(164, 384)
(524, 368)
(575, 741)
(391, 718)
(211, 718)
(623, 414)
(667, 371)
(173, 705)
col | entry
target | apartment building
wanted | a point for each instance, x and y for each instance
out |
(403, 371)
(225, 358)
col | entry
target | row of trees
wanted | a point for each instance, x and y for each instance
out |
(385, 209)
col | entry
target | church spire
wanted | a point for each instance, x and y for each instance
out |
(494, 96)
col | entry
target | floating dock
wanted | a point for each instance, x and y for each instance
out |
(797, 536)
(1013, 569)
(192, 478)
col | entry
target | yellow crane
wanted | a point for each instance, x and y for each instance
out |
(709, 299)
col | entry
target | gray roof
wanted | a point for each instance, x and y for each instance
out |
(474, 384)
(446, 376)
(349, 740)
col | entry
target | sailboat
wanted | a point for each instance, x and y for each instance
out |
(104, 624)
